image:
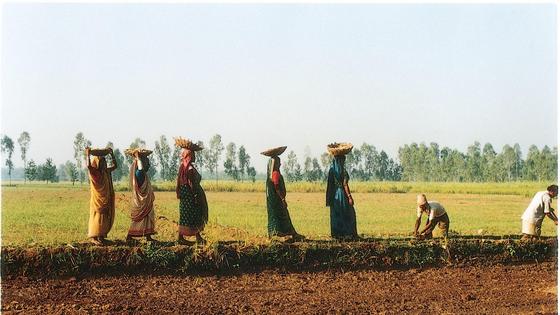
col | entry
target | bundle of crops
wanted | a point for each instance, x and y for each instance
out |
(187, 144)
(140, 152)
(99, 152)
(274, 151)
(339, 148)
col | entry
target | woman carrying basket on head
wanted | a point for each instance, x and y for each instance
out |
(279, 222)
(142, 211)
(102, 200)
(339, 198)
(193, 207)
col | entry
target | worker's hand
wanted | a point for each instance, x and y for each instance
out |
(415, 233)
(556, 222)
(284, 203)
(87, 150)
(351, 200)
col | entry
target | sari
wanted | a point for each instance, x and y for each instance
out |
(193, 206)
(343, 215)
(102, 200)
(142, 211)
(279, 222)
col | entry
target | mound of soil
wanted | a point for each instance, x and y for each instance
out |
(238, 257)
(528, 288)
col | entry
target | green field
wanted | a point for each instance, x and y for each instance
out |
(40, 214)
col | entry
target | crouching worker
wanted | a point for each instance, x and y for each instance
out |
(436, 216)
(533, 216)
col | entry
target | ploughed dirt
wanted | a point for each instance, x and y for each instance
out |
(520, 289)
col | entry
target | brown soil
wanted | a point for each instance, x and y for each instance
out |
(529, 288)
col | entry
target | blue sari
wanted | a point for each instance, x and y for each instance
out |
(343, 215)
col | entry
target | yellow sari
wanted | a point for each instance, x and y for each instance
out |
(102, 201)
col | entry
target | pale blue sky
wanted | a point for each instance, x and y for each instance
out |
(267, 75)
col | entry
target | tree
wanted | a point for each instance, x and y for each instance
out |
(80, 144)
(489, 167)
(370, 160)
(354, 164)
(164, 156)
(507, 163)
(395, 171)
(530, 172)
(382, 171)
(308, 169)
(71, 171)
(230, 167)
(23, 142)
(547, 164)
(214, 154)
(317, 172)
(31, 171)
(61, 173)
(292, 169)
(251, 173)
(474, 163)
(201, 157)
(519, 164)
(244, 160)
(326, 160)
(174, 162)
(121, 170)
(7, 147)
(47, 171)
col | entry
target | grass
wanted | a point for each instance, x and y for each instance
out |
(526, 189)
(38, 214)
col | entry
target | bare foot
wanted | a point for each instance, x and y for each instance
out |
(182, 241)
(200, 240)
(96, 241)
(298, 237)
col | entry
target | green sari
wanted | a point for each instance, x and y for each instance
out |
(279, 222)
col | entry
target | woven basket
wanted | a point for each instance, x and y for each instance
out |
(141, 152)
(187, 144)
(99, 152)
(339, 148)
(274, 151)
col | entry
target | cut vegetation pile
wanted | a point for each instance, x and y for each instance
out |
(235, 257)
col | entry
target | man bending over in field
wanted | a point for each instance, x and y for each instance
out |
(436, 216)
(533, 216)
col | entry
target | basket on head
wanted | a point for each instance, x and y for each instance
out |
(336, 149)
(187, 144)
(274, 151)
(141, 152)
(99, 152)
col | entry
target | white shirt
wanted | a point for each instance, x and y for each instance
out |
(436, 210)
(539, 206)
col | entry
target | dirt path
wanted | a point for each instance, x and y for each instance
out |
(525, 289)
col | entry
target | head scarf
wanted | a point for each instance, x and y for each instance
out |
(274, 160)
(338, 166)
(95, 160)
(186, 164)
(95, 164)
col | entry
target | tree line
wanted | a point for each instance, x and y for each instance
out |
(421, 162)
(416, 162)
(164, 160)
